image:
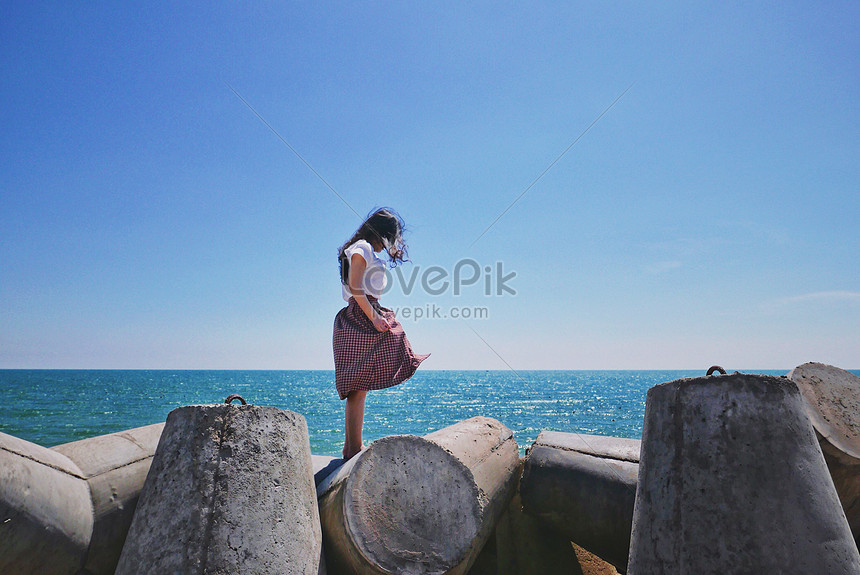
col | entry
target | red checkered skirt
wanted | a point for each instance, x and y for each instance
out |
(365, 358)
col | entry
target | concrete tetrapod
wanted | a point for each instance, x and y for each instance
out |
(832, 401)
(409, 504)
(526, 545)
(230, 491)
(46, 513)
(585, 487)
(731, 480)
(115, 468)
(70, 507)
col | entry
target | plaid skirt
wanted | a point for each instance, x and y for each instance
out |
(366, 359)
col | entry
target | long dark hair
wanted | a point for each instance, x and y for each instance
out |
(384, 226)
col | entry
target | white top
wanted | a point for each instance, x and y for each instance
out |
(374, 280)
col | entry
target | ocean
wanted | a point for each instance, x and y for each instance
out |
(50, 407)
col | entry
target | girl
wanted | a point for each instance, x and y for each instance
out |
(370, 347)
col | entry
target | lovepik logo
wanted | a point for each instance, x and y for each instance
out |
(437, 280)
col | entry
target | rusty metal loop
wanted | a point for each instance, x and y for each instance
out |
(234, 396)
(714, 368)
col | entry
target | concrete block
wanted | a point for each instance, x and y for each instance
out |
(115, 468)
(410, 504)
(584, 486)
(46, 513)
(528, 546)
(731, 480)
(323, 466)
(832, 402)
(105, 453)
(230, 491)
(487, 562)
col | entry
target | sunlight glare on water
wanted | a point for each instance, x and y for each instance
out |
(50, 407)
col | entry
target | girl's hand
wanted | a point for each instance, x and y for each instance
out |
(380, 324)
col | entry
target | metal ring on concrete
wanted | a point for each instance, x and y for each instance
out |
(714, 368)
(234, 396)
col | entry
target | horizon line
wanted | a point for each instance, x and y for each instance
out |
(500, 370)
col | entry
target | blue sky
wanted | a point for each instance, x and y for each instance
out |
(149, 219)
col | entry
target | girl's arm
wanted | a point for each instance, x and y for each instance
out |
(357, 265)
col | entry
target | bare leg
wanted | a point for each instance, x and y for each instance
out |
(354, 422)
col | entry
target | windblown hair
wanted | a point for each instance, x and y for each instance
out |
(384, 226)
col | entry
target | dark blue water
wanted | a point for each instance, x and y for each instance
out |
(50, 407)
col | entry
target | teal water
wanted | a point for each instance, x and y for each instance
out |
(50, 407)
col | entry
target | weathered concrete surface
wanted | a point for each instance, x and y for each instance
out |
(115, 468)
(832, 402)
(230, 491)
(617, 448)
(323, 466)
(410, 504)
(584, 486)
(487, 561)
(526, 545)
(731, 480)
(46, 513)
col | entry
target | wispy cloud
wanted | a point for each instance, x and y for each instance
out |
(821, 296)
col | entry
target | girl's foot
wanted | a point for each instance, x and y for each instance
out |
(347, 455)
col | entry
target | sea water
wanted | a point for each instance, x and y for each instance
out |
(50, 407)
